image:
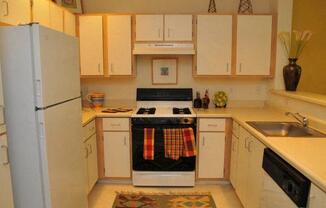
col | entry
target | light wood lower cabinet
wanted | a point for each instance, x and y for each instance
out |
(117, 154)
(317, 198)
(234, 161)
(249, 175)
(211, 155)
(91, 158)
(90, 148)
(6, 197)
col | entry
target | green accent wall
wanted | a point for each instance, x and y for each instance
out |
(311, 15)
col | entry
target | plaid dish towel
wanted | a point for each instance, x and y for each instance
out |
(173, 143)
(189, 149)
(148, 152)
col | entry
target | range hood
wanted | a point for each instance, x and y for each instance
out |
(164, 48)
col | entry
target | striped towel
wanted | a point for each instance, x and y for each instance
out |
(148, 152)
(173, 143)
(179, 142)
(189, 142)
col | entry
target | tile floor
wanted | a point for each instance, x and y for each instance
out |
(103, 194)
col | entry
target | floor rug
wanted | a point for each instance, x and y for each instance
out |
(162, 200)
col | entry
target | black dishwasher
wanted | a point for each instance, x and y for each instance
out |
(295, 185)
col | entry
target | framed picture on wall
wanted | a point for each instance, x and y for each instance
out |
(75, 6)
(164, 71)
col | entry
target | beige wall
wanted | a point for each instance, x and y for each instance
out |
(168, 6)
(125, 89)
(311, 15)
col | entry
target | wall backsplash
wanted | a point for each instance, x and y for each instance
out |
(123, 90)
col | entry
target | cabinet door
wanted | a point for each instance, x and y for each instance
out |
(254, 42)
(92, 162)
(69, 26)
(234, 160)
(214, 44)
(119, 44)
(15, 12)
(149, 28)
(255, 173)
(242, 166)
(41, 12)
(91, 45)
(317, 198)
(117, 154)
(211, 155)
(6, 197)
(178, 28)
(56, 17)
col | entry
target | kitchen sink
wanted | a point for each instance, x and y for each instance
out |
(284, 129)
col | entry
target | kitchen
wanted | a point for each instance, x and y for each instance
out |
(111, 56)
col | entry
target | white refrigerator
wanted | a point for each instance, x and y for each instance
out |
(40, 69)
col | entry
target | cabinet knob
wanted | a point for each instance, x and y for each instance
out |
(203, 142)
(125, 141)
(7, 8)
(99, 68)
(6, 162)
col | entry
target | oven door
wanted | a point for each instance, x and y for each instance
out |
(160, 163)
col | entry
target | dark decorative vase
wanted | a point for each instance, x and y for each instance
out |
(291, 75)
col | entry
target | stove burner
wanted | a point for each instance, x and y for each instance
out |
(146, 111)
(181, 111)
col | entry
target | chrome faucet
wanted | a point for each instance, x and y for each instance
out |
(302, 119)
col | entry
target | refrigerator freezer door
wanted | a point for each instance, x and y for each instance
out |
(56, 66)
(64, 167)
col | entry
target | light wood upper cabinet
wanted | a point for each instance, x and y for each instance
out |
(91, 45)
(254, 44)
(56, 17)
(69, 23)
(164, 27)
(317, 198)
(149, 28)
(117, 154)
(214, 44)
(211, 155)
(6, 197)
(178, 28)
(119, 45)
(14, 12)
(41, 12)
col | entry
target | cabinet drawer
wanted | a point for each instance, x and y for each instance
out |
(211, 124)
(235, 129)
(115, 124)
(88, 130)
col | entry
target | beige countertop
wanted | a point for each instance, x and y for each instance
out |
(88, 114)
(308, 155)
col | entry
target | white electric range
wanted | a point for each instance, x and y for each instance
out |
(161, 108)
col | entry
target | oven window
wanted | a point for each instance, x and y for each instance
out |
(160, 163)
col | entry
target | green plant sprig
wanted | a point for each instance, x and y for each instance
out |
(295, 42)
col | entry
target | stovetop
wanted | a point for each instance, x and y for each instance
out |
(164, 112)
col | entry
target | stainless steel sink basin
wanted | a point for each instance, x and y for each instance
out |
(284, 129)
